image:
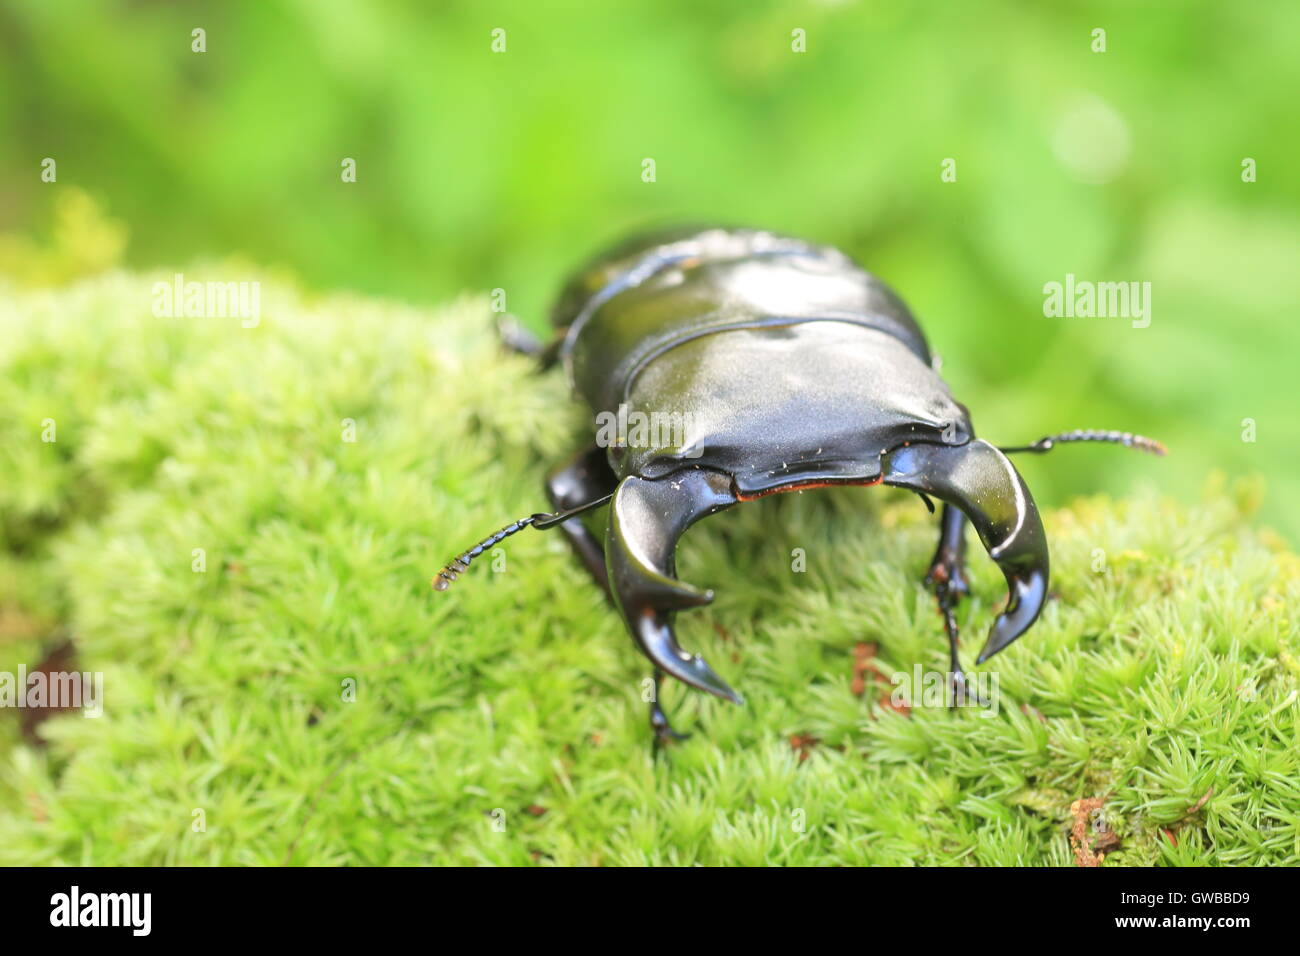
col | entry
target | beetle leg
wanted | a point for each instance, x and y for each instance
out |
(585, 477)
(948, 567)
(517, 338)
(646, 519)
(663, 730)
(978, 479)
(947, 579)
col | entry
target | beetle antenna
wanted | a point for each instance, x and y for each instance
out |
(1128, 439)
(541, 521)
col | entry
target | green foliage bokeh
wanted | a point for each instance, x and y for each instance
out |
(480, 170)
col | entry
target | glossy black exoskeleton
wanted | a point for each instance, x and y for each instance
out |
(774, 365)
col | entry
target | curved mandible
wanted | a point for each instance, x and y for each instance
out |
(646, 519)
(979, 480)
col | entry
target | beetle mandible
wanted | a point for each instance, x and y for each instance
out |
(788, 367)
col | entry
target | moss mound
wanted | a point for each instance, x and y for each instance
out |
(237, 525)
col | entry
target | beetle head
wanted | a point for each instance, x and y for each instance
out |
(648, 517)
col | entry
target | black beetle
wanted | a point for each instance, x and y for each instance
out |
(779, 365)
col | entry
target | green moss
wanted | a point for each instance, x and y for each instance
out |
(1166, 671)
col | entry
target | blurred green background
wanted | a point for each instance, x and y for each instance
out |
(479, 170)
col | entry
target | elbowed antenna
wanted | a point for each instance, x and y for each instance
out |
(542, 520)
(1128, 439)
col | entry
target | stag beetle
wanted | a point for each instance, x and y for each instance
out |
(792, 368)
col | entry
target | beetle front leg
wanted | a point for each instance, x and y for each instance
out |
(663, 730)
(515, 337)
(947, 571)
(947, 579)
(585, 477)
